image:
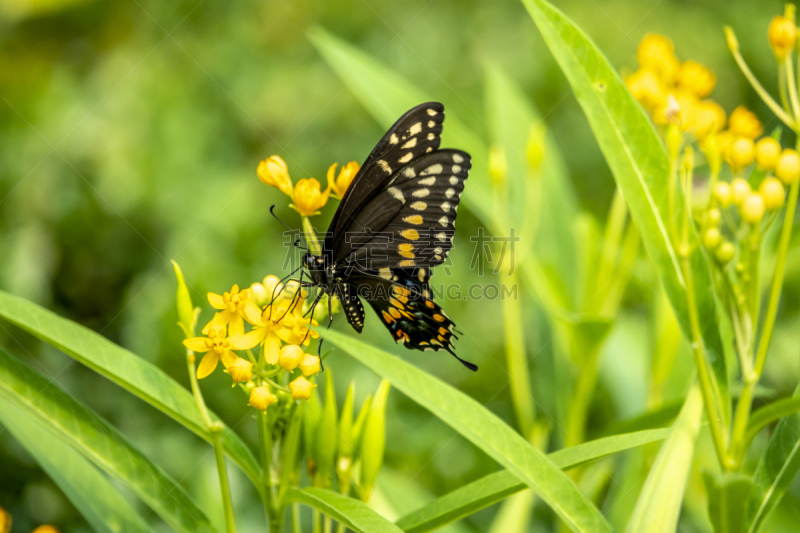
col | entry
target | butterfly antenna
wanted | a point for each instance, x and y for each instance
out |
(298, 241)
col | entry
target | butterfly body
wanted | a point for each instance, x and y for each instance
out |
(393, 225)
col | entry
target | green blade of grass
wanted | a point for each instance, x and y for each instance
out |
(100, 443)
(495, 487)
(351, 512)
(125, 369)
(639, 163)
(775, 472)
(483, 429)
(659, 503)
(100, 503)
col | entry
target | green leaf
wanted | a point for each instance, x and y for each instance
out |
(769, 414)
(727, 496)
(100, 503)
(125, 369)
(493, 488)
(775, 472)
(659, 503)
(96, 440)
(483, 429)
(640, 165)
(659, 417)
(349, 511)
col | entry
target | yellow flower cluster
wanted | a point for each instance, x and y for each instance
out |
(278, 325)
(307, 195)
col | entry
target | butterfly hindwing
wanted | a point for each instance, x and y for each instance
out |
(417, 132)
(411, 223)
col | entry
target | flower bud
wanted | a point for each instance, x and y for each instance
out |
(713, 217)
(309, 365)
(358, 425)
(301, 388)
(498, 167)
(5, 521)
(773, 192)
(709, 118)
(753, 208)
(768, 150)
(186, 313)
(373, 441)
(308, 197)
(744, 123)
(782, 35)
(46, 529)
(722, 193)
(261, 398)
(741, 153)
(647, 88)
(657, 53)
(739, 190)
(788, 167)
(696, 78)
(290, 357)
(274, 172)
(712, 238)
(725, 252)
(240, 371)
(259, 294)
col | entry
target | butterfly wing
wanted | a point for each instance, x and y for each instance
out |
(417, 132)
(410, 223)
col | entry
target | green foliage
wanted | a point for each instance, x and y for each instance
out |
(727, 496)
(353, 513)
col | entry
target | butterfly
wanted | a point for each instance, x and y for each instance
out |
(394, 224)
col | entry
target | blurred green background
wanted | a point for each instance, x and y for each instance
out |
(130, 134)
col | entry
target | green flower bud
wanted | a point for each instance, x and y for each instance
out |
(358, 425)
(373, 442)
(326, 435)
(187, 317)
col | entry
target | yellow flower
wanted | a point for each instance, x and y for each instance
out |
(722, 193)
(741, 153)
(680, 108)
(647, 88)
(240, 371)
(310, 365)
(261, 398)
(753, 208)
(739, 190)
(232, 306)
(273, 171)
(788, 167)
(301, 388)
(340, 184)
(308, 198)
(773, 192)
(768, 150)
(45, 529)
(217, 346)
(782, 35)
(696, 78)
(744, 123)
(5, 521)
(290, 357)
(709, 118)
(657, 53)
(266, 329)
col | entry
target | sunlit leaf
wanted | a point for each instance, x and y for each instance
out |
(660, 501)
(125, 369)
(103, 445)
(100, 503)
(349, 511)
(493, 488)
(640, 166)
(727, 496)
(483, 429)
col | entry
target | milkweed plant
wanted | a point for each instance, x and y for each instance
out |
(710, 193)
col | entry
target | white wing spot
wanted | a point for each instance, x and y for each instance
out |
(397, 193)
(411, 143)
(385, 166)
(449, 193)
(437, 250)
(441, 236)
(419, 206)
(431, 136)
(416, 128)
(446, 207)
(406, 158)
(410, 172)
(457, 158)
(428, 181)
(453, 180)
(431, 124)
(443, 221)
(433, 169)
(456, 169)
(421, 193)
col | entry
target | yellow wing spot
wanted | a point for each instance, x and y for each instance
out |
(397, 194)
(405, 314)
(388, 318)
(405, 247)
(446, 207)
(421, 193)
(412, 219)
(396, 303)
(433, 169)
(411, 234)
(419, 206)
(386, 273)
(406, 158)
(397, 290)
(432, 112)
(443, 331)
(393, 139)
(421, 275)
(394, 312)
(456, 170)
(438, 318)
(407, 263)
(450, 192)
(410, 173)
(429, 304)
(435, 342)
(414, 129)
(453, 180)
(384, 166)
(457, 158)
(411, 143)
(428, 181)
(440, 338)
(431, 136)
(443, 221)
(402, 335)
(431, 124)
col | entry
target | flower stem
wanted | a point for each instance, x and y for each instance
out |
(315, 520)
(311, 236)
(297, 525)
(265, 447)
(792, 82)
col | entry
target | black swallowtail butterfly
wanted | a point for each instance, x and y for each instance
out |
(393, 225)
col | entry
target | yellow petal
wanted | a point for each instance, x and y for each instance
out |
(208, 364)
(272, 349)
(196, 344)
(249, 340)
(228, 357)
(252, 313)
(216, 301)
(236, 326)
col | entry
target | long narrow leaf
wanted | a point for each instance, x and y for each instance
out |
(351, 512)
(100, 503)
(483, 429)
(125, 369)
(80, 428)
(493, 488)
(640, 166)
(660, 501)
